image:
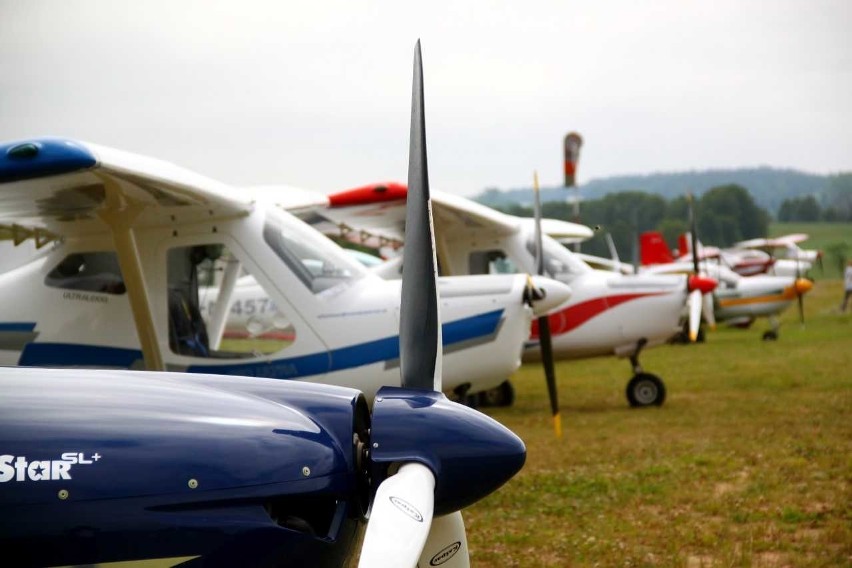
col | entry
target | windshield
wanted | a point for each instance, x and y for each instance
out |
(318, 262)
(559, 263)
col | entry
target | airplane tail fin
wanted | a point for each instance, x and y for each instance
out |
(653, 249)
(684, 245)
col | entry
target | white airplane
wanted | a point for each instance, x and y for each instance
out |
(608, 313)
(737, 300)
(135, 241)
(789, 258)
(109, 467)
(744, 262)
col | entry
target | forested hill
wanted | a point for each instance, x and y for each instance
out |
(769, 187)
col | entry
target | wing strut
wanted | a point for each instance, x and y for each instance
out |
(118, 214)
(219, 317)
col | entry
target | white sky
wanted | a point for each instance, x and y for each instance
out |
(317, 94)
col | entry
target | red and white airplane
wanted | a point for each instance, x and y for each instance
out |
(756, 256)
(789, 259)
(608, 313)
(743, 262)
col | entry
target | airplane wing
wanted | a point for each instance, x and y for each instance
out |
(793, 238)
(374, 215)
(603, 263)
(52, 187)
(771, 243)
(566, 232)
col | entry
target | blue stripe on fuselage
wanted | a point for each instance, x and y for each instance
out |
(17, 326)
(387, 349)
(73, 355)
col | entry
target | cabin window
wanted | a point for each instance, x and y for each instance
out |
(217, 309)
(490, 262)
(88, 272)
(315, 259)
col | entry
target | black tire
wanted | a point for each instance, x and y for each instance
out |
(770, 335)
(502, 395)
(645, 389)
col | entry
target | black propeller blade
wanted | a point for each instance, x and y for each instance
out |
(693, 233)
(545, 341)
(419, 328)
(799, 295)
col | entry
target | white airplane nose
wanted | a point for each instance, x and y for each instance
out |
(553, 294)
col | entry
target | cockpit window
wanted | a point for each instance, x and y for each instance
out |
(318, 262)
(559, 263)
(88, 271)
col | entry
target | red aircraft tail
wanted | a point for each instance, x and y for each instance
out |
(684, 244)
(653, 249)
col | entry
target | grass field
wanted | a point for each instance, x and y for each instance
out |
(748, 463)
(834, 239)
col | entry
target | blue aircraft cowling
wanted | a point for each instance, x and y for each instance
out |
(99, 466)
(470, 453)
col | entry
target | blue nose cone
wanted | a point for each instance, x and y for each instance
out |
(470, 453)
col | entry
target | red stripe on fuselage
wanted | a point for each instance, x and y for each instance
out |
(574, 316)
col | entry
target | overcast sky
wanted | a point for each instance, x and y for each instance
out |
(317, 94)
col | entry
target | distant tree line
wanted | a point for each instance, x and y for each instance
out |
(769, 187)
(724, 215)
(836, 203)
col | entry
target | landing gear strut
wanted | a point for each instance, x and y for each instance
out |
(772, 334)
(644, 389)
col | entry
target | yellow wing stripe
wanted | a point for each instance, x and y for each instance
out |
(789, 293)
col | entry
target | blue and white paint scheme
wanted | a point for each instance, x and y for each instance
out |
(85, 205)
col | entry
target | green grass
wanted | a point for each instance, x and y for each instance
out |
(748, 463)
(833, 239)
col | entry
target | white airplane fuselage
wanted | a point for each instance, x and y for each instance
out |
(345, 334)
(608, 313)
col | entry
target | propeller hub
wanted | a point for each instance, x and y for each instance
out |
(469, 453)
(702, 283)
(544, 295)
(803, 286)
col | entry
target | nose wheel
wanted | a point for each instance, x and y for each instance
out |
(503, 395)
(772, 334)
(645, 389)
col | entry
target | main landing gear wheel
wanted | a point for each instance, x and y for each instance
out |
(770, 335)
(502, 395)
(645, 389)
